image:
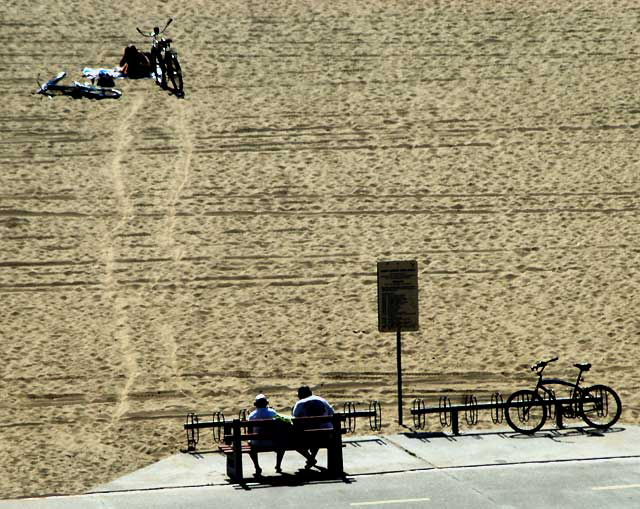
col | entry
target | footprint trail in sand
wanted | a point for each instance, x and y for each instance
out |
(124, 212)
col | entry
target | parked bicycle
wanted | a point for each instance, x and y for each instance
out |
(164, 60)
(527, 410)
(78, 90)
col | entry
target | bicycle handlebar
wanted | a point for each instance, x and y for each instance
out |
(542, 364)
(153, 34)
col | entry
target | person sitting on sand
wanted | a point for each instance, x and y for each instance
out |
(309, 405)
(135, 63)
(263, 411)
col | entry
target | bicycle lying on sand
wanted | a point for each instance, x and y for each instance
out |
(164, 60)
(527, 410)
(78, 90)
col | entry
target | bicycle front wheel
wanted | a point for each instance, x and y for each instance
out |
(525, 411)
(175, 73)
(600, 406)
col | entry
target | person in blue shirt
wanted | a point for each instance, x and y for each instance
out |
(263, 411)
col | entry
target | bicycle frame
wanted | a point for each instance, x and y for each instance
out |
(543, 383)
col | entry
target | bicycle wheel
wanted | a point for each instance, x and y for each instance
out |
(525, 411)
(175, 72)
(600, 406)
(160, 70)
(103, 93)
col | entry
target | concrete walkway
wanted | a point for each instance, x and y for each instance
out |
(364, 455)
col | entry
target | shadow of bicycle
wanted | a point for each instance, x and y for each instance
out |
(567, 432)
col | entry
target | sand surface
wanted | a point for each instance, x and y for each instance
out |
(160, 256)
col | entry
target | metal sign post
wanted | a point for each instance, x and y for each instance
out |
(399, 371)
(398, 307)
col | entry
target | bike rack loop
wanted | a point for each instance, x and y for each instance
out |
(193, 434)
(218, 429)
(550, 397)
(497, 408)
(445, 414)
(471, 409)
(375, 420)
(349, 410)
(419, 417)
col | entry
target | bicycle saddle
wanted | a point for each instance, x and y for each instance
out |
(583, 366)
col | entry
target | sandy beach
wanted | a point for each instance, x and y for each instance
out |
(160, 256)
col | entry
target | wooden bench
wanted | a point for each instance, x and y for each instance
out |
(304, 433)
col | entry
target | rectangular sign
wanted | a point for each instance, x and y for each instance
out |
(398, 296)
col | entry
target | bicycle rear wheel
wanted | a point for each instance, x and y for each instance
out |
(525, 411)
(103, 93)
(600, 406)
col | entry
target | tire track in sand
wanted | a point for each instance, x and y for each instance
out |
(167, 235)
(120, 304)
(180, 178)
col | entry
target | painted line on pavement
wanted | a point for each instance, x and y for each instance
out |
(619, 487)
(399, 501)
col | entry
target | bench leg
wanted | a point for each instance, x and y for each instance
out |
(234, 461)
(334, 451)
(334, 460)
(231, 467)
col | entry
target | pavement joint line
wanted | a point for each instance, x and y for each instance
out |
(410, 453)
(396, 501)
(534, 462)
(110, 492)
(154, 488)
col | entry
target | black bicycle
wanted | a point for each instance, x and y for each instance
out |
(78, 90)
(164, 60)
(527, 410)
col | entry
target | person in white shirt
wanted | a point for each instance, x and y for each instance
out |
(309, 405)
(263, 411)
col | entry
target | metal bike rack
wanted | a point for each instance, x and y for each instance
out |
(350, 413)
(220, 426)
(449, 414)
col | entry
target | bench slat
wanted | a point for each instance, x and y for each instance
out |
(291, 434)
